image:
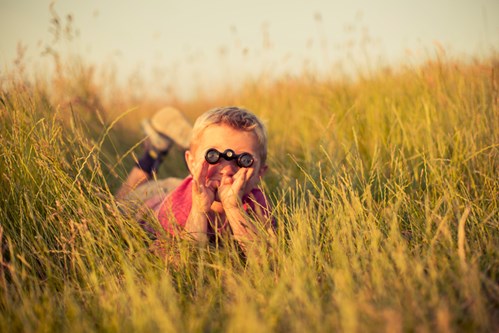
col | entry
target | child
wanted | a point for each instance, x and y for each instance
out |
(226, 159)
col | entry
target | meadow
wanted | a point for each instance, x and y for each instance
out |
(384, 188)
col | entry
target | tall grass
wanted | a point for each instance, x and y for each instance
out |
(385, 191)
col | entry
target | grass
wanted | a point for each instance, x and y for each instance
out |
(385, 191)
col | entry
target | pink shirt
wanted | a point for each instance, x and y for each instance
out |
(173, 212)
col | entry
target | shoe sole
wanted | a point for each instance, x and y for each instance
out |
(170, 123)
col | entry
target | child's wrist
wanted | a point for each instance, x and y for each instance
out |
(232, 210)
(200, 209)
(232, 204)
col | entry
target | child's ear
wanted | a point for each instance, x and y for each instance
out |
(263, 170)
(189, 160)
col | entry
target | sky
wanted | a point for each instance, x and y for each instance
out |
(191, 45)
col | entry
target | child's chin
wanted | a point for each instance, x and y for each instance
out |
(217, 207)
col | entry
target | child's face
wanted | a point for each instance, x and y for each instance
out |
(223, 137)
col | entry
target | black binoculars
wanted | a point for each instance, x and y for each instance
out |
(243, 160)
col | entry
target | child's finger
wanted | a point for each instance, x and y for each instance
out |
(240, 178)
(199, 176)
(249, 173)
(200, 172)
(226, 180)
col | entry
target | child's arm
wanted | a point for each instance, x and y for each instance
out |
(243, 229)
(231, 191)
(202, 199)
(136, 178)
(197, 226)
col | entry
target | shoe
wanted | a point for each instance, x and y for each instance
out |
(166, 126)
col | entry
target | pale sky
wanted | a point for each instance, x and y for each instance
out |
(192, 43)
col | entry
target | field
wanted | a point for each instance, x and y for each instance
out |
(385, 190)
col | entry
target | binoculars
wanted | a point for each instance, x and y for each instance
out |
(243, 160)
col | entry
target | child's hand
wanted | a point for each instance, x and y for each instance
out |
(203, 194)
(231, 189)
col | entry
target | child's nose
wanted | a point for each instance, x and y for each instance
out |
(228, 168)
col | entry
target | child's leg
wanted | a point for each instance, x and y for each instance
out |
(142, 172)
(135, 178)
(166, 127)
